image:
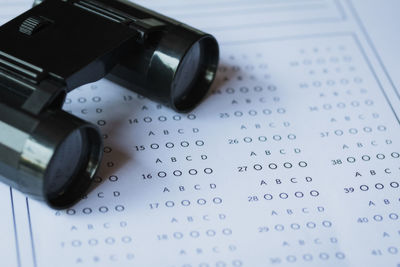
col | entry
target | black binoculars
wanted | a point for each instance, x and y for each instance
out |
(59, 45)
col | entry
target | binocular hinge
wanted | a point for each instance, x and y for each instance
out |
(145, 27)
(49, 95)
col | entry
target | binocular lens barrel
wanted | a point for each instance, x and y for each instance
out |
(52, 157)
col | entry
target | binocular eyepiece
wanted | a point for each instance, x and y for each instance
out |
(59, 45)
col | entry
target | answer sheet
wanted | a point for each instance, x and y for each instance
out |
(293, 159)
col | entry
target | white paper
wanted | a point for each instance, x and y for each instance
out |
(293, 159)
